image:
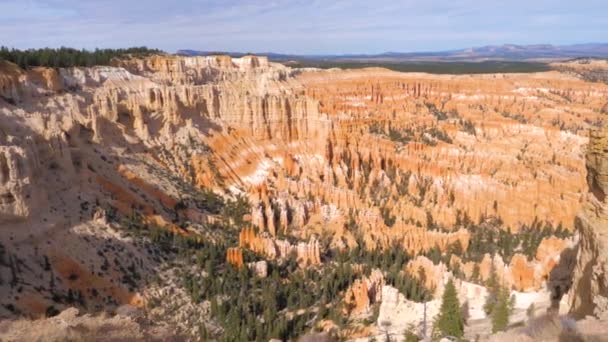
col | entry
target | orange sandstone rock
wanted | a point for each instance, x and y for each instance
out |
(307, 253)
(429, 274)
(549, 248)
(522, 274)
(363, 293)
(234, 256)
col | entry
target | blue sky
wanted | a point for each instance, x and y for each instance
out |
(302, 27)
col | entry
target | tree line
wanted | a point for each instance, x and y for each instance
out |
(499, 306)
(65, 57)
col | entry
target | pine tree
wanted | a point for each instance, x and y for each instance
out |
(449, 321)
(68, 57)
(502, 310)
(493, 290)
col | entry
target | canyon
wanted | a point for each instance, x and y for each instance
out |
(109, 173)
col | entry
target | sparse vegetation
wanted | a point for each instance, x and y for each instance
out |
(468, 126)
(439, 115)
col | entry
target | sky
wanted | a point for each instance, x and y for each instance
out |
(300, 27)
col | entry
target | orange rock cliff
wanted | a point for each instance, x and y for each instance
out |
(330, 158)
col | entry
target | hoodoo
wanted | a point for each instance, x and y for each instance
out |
(212, 195)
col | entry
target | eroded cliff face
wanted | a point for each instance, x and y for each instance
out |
(363, 293)
(327, 160)
(306, 253)
(84, 151)
(486, 160)
(589, 293)
(520, 273)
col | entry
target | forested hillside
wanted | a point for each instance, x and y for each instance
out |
(68, 57)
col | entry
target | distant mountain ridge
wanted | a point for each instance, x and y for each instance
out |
(495, 52)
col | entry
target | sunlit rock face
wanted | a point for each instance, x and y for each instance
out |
(587, 300)
(496, 167)
(328, 160)
(589, 293)
(363, 293)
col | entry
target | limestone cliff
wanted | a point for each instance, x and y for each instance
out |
(589, 293)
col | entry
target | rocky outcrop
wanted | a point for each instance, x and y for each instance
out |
(430, 275)
(398, 314)
(127, 325)
(550, 247)
(363, 293)
(234, 256)
(589, 292)
(522, 274)
(409, 105)
(17, 167)
(307, 253)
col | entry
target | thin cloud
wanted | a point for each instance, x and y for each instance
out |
(299, 26)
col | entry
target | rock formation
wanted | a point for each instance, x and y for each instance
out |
(589, 292)
(520, 273)
(431, 275)
(234, 256)
(307, 253)
(398, 314)
(364, 292)
(588, 295)
(127, 325)
(96, 162)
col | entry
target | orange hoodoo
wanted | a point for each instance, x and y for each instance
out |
(234, 256)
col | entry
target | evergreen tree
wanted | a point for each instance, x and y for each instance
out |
(449, 321)
(502, 310)
(493, 287)
(68, 57)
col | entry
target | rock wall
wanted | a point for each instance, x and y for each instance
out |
(307, 253)
(363, 293)
(589, 292)
(431, 275)
(520, 273)
(127, 325)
